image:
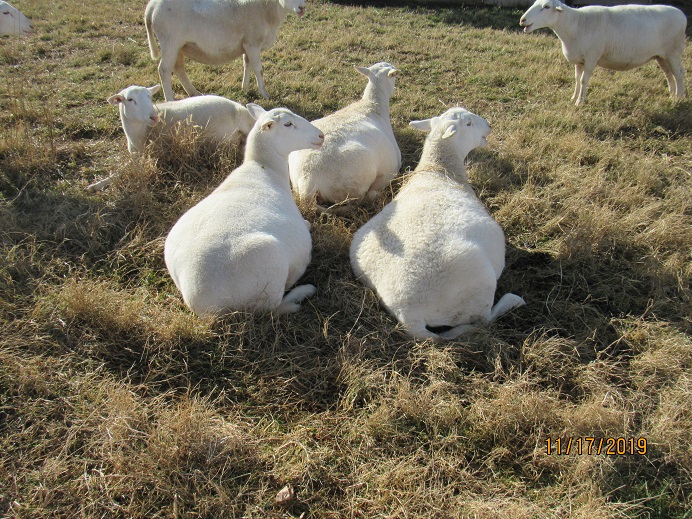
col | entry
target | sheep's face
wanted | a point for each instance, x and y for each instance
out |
(464, 126)
(465, 130)
(543, 13)
(287, 131)
(295, 6)
(381, 74)
(136, 104)
(13, 22)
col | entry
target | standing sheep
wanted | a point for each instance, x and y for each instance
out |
(220, 120)
(360, 154)
(13, 22)
(617, 38)
(434, 254)
(246, 243)
(214, 32)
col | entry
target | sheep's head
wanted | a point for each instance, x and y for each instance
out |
(294, 6)
(543, 13)
(463, 129)
(13, 22)
(286, 131)
(136, 104)
(381, 74)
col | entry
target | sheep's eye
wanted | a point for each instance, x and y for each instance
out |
(468, 123)
(287, 125)
(6, 12)
(546, 7)
(132, 101)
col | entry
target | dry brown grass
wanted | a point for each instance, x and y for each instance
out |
(115, 401)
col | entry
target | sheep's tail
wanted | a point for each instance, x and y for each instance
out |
(153, 46)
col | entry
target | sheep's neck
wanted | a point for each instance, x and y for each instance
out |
(438, 155)
(264, 155)
(565, 27)
(135, 131)
(376, 98)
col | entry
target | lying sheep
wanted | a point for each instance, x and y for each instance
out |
(617, 38)
(434, 254)
(214, 32)
(13, 22)
(360, 155)
(246, 243)
(220, 120)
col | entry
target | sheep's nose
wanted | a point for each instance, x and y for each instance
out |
(154, 118)
(522, 21)
(321, 136)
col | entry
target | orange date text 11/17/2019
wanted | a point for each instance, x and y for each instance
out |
(593, 445)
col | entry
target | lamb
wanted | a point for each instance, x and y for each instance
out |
(360, 156)
(214, 32)
(13, 22)
(434, 254)
(219, 119)
(617, 38)
(246, 243)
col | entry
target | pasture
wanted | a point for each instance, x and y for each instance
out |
(116, 401)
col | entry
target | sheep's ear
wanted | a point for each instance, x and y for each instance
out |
(267, 125)
(449, 131)
(425, 125)
(255, 110)
(116, 98)
(364, 70)
(154, 89)
(558, 6)
(393, 72)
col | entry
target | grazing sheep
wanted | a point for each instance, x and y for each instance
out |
(214, 32)
(617, 38)
(13, 22)
(219, 119)
(434, 254)
(360, 154)
(246, 243)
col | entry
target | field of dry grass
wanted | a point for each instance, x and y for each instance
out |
(115, 401)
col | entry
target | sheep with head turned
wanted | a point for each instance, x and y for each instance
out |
(246, 244)
(434, 254)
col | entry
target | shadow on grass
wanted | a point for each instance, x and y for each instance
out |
(478, 16)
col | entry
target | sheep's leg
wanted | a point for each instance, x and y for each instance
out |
(586, 75)
(578, 70)
(166, 65)
(179, 70)
(506, 303)
(290, 303)
(678, 72)
(377, 186)
(246, 73)
(253, 57)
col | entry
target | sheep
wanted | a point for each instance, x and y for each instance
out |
(13, 22)
(434, 254)
(214, 32)
(617, 38)
(246, 243)
(360, 156)
(220, 120)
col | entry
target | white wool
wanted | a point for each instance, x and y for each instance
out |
(360, 156)
(243, 246)
(434, 254)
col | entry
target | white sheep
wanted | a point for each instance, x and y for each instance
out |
(434, 254)
(13, 22)
(218, 119)
(246, 243)
(360, 156)
(617, 38)
(214, 32)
